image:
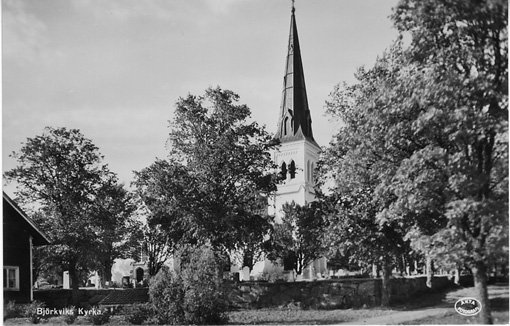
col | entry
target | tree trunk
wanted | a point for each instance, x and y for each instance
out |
(107, 272)
(386, 286)
(429, 271)
(480, 277)
(75, 285)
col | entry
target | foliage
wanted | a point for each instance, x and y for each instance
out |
(219, 172)
(196, 295)
(354, 233)
(297, 239)
(69, 319)
(30, 311)
(427, 129)
(99, 316)
(138, 313)
(166, 296)
(114, 210)
(60, 174)
(205, 295)
(155, 243)
(13, 310)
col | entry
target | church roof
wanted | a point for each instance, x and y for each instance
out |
(295, 122)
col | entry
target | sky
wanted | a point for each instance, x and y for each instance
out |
(114, 69)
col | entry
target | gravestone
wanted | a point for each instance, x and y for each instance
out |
(65, 280)
(245, 274)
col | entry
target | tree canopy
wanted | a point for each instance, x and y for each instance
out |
(427, 129)
(297, 240)
(213, 186)
(60, 174)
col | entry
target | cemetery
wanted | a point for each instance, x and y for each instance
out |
(404, 211)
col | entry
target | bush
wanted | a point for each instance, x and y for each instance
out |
(166, 295)
(31, 311)
(70, 318)
(99, 317)
(138, 313)
(196, 295)
(13, 310)
(205, 298)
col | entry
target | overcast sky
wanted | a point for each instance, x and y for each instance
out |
(115, 68)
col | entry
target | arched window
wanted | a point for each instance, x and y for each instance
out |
(312, 172)
(292, 169)
(285, 126)
(283, 171)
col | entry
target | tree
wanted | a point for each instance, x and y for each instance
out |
(60, 173)
(114, 208)
(462, 50)
(359, 161)
(157, 246)
(297, 240)
(165, 191)
(353, 231)
(218, 172)
(436, 113)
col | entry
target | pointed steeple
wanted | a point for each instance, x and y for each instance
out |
(295, 122)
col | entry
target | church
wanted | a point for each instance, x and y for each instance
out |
(296, 159)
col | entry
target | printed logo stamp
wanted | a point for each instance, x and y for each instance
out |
(468, 306)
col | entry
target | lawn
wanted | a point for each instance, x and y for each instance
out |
(252, 317)
(303, 317)
(453, 318)
(296, 316)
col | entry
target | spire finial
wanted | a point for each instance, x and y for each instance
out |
(293, 9)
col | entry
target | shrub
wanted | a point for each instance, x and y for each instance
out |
(166, 295)
(205, 296)
(13, 310)
(31, 311)
(99, 317)
(70, 318)
(196, 295)
(138, 313)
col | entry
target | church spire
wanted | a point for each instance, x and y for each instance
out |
(294, 122)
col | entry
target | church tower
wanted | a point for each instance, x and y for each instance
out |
(299, 152)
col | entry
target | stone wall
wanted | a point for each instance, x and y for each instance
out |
(323, 294)
(329, 294)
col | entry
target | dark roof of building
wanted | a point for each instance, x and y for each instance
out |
(295, 122)
(126, 297)
(39, 238)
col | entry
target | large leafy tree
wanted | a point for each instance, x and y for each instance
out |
(211, 188)
(60, 174)
(114, 209)
(353, 232)
(438, 113)
(462, 49)
(359, 162)
(297, 240)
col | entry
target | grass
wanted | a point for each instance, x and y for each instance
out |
(302, 317)
(499, 305)
(453, 318)
(295, 316)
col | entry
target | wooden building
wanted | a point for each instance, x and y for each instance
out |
(20, 235)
